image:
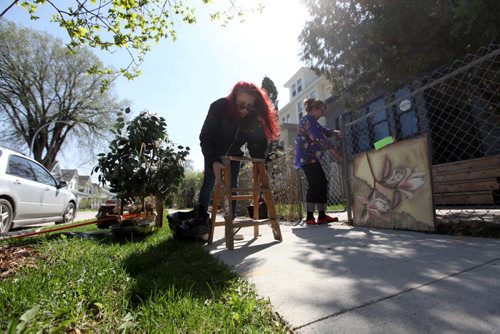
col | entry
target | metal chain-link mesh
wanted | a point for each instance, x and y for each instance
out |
(333, 171)
(286, 186)
(458, 109)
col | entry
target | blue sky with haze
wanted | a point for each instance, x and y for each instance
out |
(180, 79)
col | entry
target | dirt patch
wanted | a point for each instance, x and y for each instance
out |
(13, 258)
(471, 229)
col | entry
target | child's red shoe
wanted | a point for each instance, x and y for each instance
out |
(327, 219)
(311, 221)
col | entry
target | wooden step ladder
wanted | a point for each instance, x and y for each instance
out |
(223, 195)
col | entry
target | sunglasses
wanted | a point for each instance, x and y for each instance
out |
(249, 107)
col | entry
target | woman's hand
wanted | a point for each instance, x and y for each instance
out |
(337, 134)
(218, 168)
(337, 155)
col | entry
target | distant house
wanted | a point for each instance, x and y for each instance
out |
(88, 194)
(304, 84)
(71, 178)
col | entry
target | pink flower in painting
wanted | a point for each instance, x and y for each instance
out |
(411, 182)
(374, 207)
(407, 181)
(393, 179)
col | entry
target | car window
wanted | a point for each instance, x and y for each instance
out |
(19, 166)
(42, 175)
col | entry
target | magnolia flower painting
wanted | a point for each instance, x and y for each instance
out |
(391, 187)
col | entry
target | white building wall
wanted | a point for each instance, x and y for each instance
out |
(302, 85)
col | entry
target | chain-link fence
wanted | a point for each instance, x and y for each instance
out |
(333, 170)
(457, 111)
(286, 186)
(290, 185)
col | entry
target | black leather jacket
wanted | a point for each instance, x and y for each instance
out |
(222, 135)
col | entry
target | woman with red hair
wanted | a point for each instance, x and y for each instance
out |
(245, 116)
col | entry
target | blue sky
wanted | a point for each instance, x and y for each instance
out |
(180, 79)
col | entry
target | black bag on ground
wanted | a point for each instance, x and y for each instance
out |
(262, 209)
(193, 225)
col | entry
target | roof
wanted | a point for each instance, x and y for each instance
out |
(69, 174)
(297, 74)
(84, 178)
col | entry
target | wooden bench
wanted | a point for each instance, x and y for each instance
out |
(474, 182)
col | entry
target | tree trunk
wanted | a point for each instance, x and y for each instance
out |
(159, 211)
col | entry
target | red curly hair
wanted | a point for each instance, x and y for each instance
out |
(266, 114)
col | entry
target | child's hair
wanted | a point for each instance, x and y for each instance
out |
(311, 103)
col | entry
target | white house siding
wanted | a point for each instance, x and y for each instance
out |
(311, 86)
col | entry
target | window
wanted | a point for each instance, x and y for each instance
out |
(379, 119)
(362, 136)
(20, 167)
(313, 95)
(288, 118)
(300, 110)
(42, 175)
(283, 120)
(299, 85)
(294, 90)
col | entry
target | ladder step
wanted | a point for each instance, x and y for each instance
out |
(240, 197)
(254, 160)
(246, 222)
(250, 222)
(248, 190)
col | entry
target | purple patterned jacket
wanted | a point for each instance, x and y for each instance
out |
(311, 141)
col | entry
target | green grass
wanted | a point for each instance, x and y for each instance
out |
(153, 285)
(336, 207)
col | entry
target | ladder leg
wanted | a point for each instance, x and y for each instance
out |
(256, 195)
(268, 197)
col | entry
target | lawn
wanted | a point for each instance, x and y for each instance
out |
(150, 285)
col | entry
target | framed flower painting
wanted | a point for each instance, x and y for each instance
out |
(392, 188)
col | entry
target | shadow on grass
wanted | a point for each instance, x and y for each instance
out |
(160, 265)
(184, 267)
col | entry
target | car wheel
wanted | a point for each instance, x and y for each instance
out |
(69, 214)
(6, 216)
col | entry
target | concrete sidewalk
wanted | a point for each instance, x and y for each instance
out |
(342, 279)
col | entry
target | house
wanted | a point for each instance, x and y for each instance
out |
(71, 178)
(88, 194)
(85, 184)
(304, 84)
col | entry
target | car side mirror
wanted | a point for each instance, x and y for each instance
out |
(62, 184)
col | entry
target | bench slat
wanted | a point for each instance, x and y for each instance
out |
(462, 186)
(475, 198)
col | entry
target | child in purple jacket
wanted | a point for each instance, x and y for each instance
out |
(310, 144)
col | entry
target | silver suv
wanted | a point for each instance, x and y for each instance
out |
(29, 194)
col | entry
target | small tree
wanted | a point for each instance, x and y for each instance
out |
(269, 86)
(189, 189)
(142, 160)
